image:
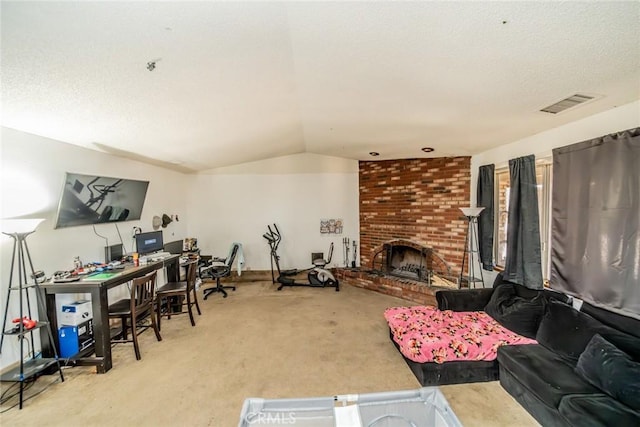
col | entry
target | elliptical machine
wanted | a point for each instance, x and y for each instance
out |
(317, 276)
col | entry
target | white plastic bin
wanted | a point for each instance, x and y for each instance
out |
(425, 407)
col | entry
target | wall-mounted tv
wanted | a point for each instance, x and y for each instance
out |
(90, 199)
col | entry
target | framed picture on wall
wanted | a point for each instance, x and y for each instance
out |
(331, 226)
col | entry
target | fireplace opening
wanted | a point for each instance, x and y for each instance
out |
(415, 262)
(405, 261)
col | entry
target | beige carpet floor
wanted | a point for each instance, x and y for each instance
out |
(258, 342)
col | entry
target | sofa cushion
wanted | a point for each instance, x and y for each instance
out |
(543, 372)
(611, 370)
(597, 410)
(520, 314)
(567, 331)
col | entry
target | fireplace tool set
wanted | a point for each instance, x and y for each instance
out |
(345, 252)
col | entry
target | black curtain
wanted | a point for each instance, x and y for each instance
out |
(523, 263)
(485, 198)
(595, 250)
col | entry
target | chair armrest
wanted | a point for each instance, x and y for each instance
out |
(464, 299)
(215, 269)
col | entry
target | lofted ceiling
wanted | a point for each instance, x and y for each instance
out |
(236, 82)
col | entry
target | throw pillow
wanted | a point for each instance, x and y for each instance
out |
(502, 293)
(518, 314)
(610, 369)
(498, 280)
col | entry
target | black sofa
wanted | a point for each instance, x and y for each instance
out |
(585, 369)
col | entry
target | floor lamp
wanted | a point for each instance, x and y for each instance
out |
(18, 230)
(471, 246)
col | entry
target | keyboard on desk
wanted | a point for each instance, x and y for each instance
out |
(158, 256)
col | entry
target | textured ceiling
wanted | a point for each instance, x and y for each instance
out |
(238, 82)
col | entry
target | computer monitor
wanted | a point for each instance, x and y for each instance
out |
(150, 242)
(174, 247)
(113, 253)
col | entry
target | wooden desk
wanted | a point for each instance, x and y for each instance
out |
(100, 303)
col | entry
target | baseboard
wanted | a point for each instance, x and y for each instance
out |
(246, 276)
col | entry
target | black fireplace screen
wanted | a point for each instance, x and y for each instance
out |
(414, 262)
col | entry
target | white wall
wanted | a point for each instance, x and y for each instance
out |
(295, 192)
(611, 121)
(33, 171)
(542, 144)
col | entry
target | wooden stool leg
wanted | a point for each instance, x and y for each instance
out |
(134, 332)
(195, 298)
(158, 312)
(156, 327)
(123, 332)
(193, 321)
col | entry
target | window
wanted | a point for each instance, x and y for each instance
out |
(502, 184)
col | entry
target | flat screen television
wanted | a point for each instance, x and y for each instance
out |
(149, 242)
(90, 199)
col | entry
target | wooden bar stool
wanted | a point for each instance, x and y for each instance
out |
(178, 294)
(132, 310)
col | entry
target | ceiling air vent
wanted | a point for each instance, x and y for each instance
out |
(567, 103)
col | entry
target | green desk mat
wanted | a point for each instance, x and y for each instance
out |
(106, 275)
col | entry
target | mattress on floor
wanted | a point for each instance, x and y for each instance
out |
(424, 407)
(425, 334)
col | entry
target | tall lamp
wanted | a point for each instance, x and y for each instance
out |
(471, 246)
(18, 230)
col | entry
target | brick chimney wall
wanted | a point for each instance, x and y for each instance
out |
(417, 200)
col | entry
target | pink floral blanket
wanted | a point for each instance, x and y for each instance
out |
(426, 334)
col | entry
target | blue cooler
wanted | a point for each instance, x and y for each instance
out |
(74, 339)
(68, 338)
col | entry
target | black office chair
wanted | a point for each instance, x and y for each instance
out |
(218, 268)
(133, 310)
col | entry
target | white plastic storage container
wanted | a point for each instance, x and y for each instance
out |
(425, 407)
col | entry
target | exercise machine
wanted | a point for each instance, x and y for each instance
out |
(317, 276)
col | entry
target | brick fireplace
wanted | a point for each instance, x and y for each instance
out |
(417, 201)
